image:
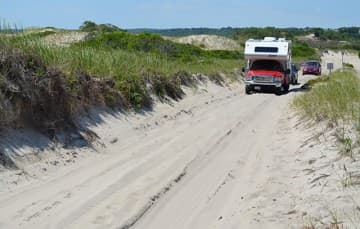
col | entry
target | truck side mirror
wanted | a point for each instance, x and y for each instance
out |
(243, 69)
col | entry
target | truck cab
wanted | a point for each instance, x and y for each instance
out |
(268, 65)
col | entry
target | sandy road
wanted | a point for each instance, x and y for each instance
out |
(249, 179)
(194, 165)
(228, 185)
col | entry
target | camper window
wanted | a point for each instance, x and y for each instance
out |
(267, 49)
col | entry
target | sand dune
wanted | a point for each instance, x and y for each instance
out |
(210, 42)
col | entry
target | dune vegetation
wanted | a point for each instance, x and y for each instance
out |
(332, 98)
(110, 67)
(46, 85)
(335, 100)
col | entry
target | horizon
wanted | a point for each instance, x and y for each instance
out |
(176, 14)
(189, 28)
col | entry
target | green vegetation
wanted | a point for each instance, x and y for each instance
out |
(89, 26)
(47, 85)
(134, 60)
(105, 61)
(40, 34)
(259, 33)
(311, 83)
(244, 33)
(340, 34)
(335, 98)
(227, 31)
(155, 44)
(302, 51)
(345, 38)
(347, 65)
(126, 68)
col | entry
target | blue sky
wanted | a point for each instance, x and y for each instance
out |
(182, 13)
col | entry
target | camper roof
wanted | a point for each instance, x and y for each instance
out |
(268, 48)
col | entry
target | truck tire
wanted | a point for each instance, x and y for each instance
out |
(278, 90)
(248, 90)
(286, 87)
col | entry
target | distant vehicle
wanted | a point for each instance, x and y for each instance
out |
(268, 65)
(312, 67)
(293, 74)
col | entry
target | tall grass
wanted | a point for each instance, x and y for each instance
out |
(336, 99)
(135, 72)
(9, 28)
(104, 61)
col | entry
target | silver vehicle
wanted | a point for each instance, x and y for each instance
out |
(293, 74)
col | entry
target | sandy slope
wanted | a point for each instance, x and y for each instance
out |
(210, 42)
(65, 38)
(337, 58)
(217, 159)
(208, 153)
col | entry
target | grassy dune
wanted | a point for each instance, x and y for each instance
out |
(110, 55)
(334, 98)
(110, 67)
(45, 85)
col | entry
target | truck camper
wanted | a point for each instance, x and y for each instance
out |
(268, 64)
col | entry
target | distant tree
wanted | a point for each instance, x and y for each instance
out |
(88, 26)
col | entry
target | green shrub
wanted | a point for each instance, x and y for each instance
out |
(347, 65)
(89, 26)
(134, 90)
(131, 61)
(155, 44)
(303, 50)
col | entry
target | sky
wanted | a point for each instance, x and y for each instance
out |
(127, 14)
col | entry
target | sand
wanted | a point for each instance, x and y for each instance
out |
(209, 42)
(216, 159)
(338, 59)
